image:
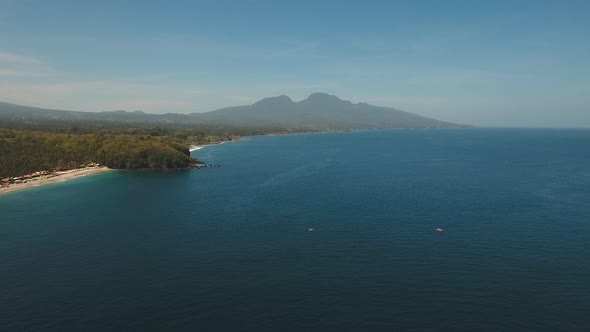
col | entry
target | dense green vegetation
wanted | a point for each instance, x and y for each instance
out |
(25, 151)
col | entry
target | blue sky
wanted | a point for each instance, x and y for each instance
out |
(488, 63)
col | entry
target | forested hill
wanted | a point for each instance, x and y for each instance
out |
(60, 145)
(25, 151)
(319, 111)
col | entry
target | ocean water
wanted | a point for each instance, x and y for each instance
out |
(230, 248)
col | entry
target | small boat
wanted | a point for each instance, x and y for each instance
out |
(310, 229)
(438, 229)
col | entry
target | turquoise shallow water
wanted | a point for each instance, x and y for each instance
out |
(228, 249)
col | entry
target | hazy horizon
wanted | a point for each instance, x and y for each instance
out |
(516, 64)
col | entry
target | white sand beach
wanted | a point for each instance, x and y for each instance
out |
(199, 147)
(54, 178)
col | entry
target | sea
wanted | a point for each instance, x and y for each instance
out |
(314, 232)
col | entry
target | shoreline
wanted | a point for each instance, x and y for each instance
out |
(197, 147)
(192, 148)
(58, 177)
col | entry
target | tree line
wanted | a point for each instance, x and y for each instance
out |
(26, 151)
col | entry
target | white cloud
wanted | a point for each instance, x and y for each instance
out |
(26, 72)
(19, 65)
(13, 58)
(12, 72)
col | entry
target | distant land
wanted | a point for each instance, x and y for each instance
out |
(320, 111)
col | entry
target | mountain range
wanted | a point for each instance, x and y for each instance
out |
(320, 111)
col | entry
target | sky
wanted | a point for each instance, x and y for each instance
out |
(486, 63)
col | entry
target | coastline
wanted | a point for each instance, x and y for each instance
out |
(58, 177)
(312, 131)
(199, 147)
(63, 176)
(192, 148)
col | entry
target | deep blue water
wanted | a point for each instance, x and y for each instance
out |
(228, 249)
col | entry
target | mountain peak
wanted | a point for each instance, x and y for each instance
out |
(320, 96)
(274, 101)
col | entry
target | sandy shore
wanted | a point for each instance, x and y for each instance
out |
(196, 147)
(199, 147)
(57, 177)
